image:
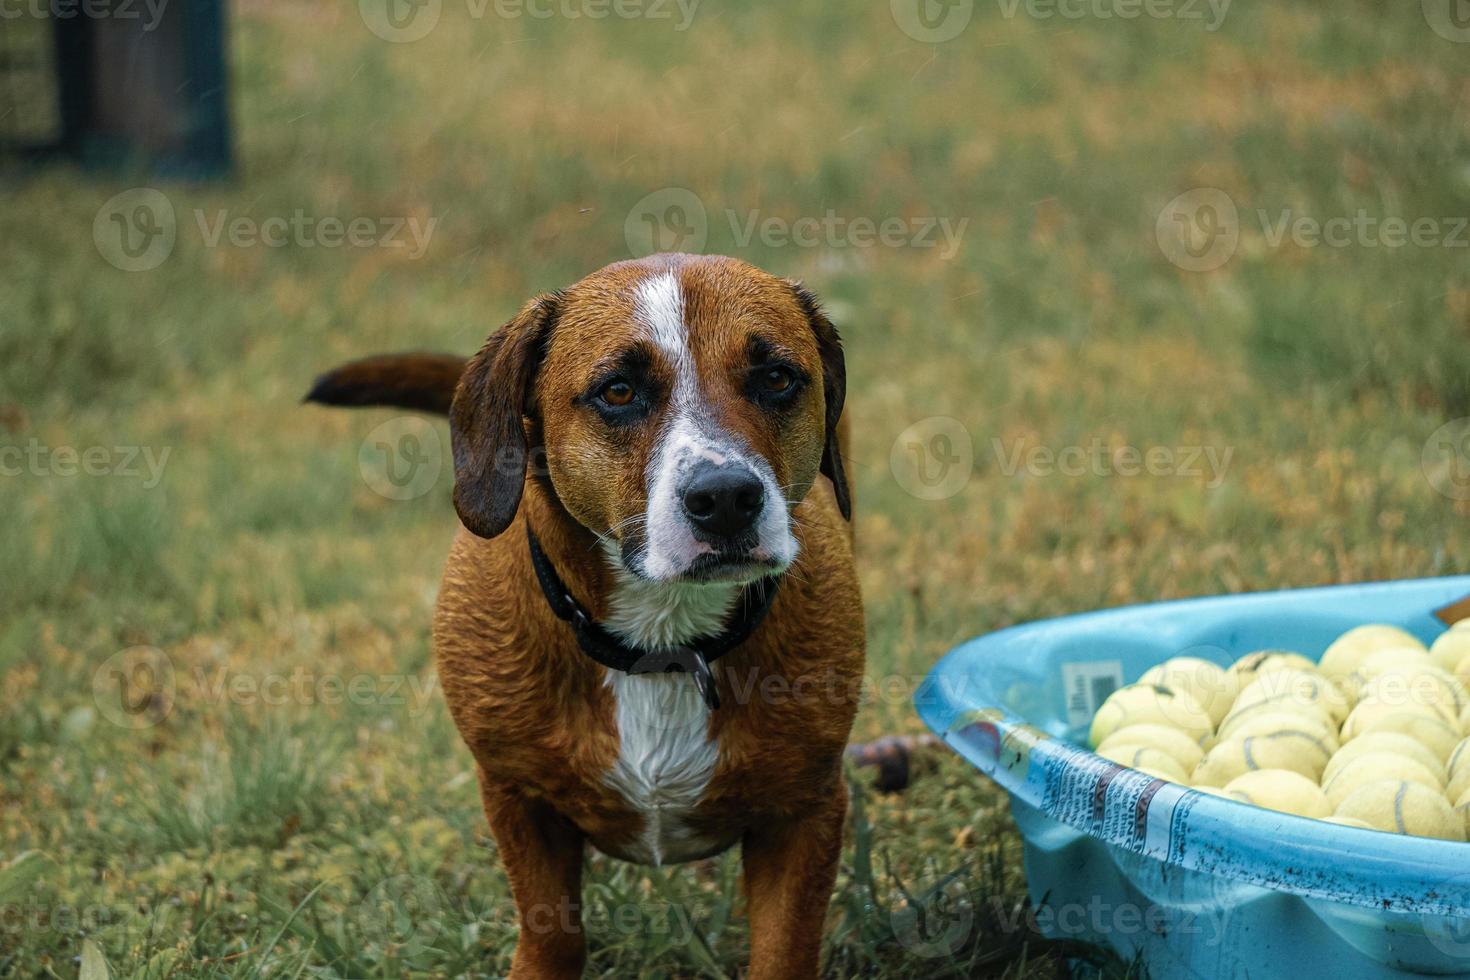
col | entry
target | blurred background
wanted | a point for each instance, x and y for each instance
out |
(1141, 300)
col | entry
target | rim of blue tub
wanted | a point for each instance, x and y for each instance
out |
(961, 701)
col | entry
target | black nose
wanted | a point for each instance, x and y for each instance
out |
(724, 500)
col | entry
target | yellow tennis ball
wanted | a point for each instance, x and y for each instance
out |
(1151, 704)
(1280, 789)
(1394, 743)
(1358, 644)
(1421, 724)
(1289, 690)
(1403, 808)
(1210, 685)
(1376, 767)
(1275, 722)
(1235, 757)
(1462, 807)
(1349, 822)
(1451, 648)
(1418, 687)
(1265, 661)
(1181, 747)
(1459, 770)
(1394, 659)
(1465, 722)
(1148, 759)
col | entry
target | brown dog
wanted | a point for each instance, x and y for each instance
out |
(676, 414)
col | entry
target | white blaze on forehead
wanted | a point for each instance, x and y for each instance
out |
(658, 304)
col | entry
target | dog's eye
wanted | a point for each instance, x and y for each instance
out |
(777, 379)
(617, 393)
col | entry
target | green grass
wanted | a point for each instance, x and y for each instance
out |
(247, 835)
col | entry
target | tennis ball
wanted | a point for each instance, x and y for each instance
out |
(1376, 767)
(1393, 743)
(1358, 644)
(1147, 759)
(1462, 807)
(1210, 685)
(1274, 722)
(1459, 771)
(1452, 647)
(1265, 661)
(1403, 808)
(1280, 789)
(1150, 704)
(1185, 750)
(1296, 751)
(1348, 822)
(1384, 661)
(1423, 686)
(1421, 724)
(1465, 722)
(1290, 690)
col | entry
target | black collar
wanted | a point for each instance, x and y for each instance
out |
(692, 658)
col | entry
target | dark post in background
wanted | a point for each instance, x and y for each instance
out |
(119, 86)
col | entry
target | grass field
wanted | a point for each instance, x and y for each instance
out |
(286, 795)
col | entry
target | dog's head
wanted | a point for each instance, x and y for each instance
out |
(679, 406)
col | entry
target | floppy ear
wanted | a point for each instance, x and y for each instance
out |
(486, 419)
(834, 392)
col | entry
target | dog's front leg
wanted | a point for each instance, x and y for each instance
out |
(790, 867)
(542, 854)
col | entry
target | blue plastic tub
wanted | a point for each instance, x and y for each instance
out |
(1193, 884)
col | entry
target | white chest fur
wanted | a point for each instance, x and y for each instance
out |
(665, 754)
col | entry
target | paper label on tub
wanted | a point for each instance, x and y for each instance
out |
(1088, 686)
(1122, 806)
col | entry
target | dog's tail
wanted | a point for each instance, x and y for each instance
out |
(421, 381)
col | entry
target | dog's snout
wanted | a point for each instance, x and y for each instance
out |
(724, 500)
